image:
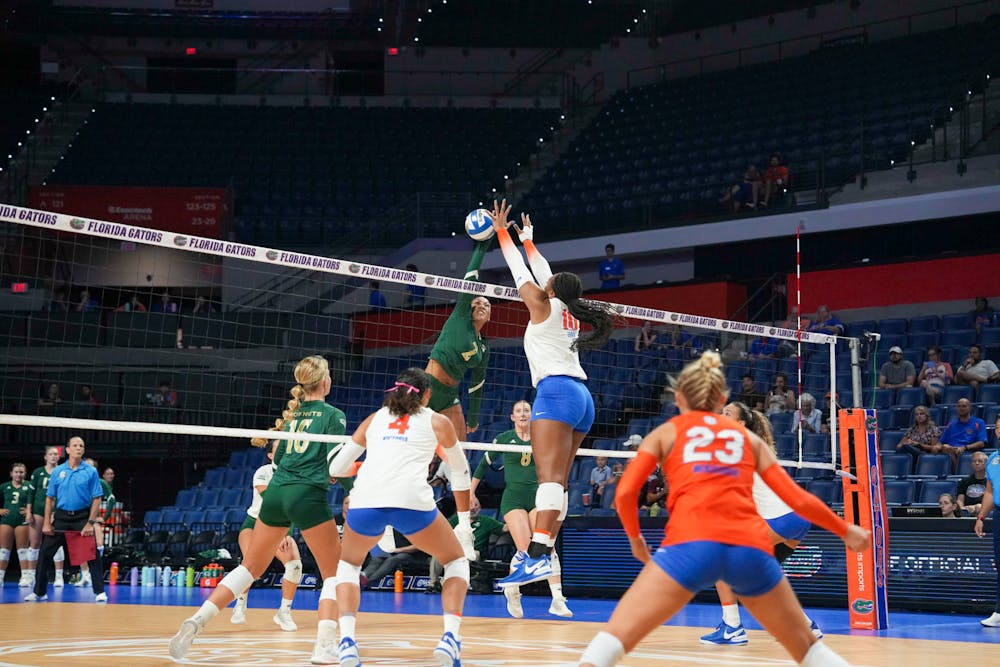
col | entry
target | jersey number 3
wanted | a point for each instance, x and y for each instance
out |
(700, 437)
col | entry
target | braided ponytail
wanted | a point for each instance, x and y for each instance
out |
(702, 383)
(309, 375)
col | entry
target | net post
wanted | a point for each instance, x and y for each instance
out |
(834, 405)
(864, 505)
(855, 346)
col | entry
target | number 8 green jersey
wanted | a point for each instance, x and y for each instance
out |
(303, 461)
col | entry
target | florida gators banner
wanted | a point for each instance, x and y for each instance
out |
(864, 505)
(197, 211)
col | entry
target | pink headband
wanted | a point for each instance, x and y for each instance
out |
(410, 389)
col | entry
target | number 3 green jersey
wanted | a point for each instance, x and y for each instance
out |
(302, 461)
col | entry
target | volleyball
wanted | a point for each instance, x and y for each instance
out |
(479, 225)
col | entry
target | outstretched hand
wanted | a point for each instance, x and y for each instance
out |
(500, 212)
(526, 231)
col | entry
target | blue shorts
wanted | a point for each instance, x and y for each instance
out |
(371, 521)
(789, 526)
(564, 399)
(698, 565)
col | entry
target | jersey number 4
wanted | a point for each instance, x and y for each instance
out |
(699, 438)
(297, 426)
(401, 425)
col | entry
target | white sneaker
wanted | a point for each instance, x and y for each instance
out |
(239, 611)
(283, 617)
(59, 583)
(559, 608)
(513, 595)
(101, 597)
(84, 580)
(181, 642)
(449, 651)
(27, 581)
(31, 597)
(993, 621)
(325, 653)
(347, 653)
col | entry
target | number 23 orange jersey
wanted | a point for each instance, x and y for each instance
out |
(710, 470)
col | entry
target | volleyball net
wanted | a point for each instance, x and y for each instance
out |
(138, 336)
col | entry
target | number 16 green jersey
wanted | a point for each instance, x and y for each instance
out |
(303, 461)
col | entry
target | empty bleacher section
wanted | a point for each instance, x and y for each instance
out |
(325, 173)
(664, 153)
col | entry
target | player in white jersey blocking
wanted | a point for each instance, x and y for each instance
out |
(563, 411)
(287, 553)
(392, 490)
(786, 527)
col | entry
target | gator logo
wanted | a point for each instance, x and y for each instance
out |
(498, 291)
(725, 325)
(862, 606)
(354, 268)
(271, 255)
(871, 424)
(674, 317)
(770, 331)
(429, 280)
(77, 223)
(619, 309)
(180, 241)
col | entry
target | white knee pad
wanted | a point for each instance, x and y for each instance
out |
(457, 568)
(565, 506)
(22, 556)
(329, 591)
(348, 574)
(549, 497)
(556, 567)
(293, 571)
(238, 581)
(59, 555)
(5, 555)
(32, 554)
(605, 650)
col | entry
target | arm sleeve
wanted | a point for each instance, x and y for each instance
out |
(341, 463)
(627, 491)
(539, 265)
(477, 380)
(805, 504)
(518, 269)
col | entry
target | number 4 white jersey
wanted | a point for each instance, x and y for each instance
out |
(547, 344)
(398, 453)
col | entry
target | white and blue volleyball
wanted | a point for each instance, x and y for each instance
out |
(479, 225)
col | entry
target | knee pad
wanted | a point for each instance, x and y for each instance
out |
(348, 574)
(238, 581)
(549, 497)
(22, 556)
(59, 555)
(329, 591)
(782, 552)
(605, 650)
(32, 554)
(293, 571)
(5, 555)
(457, 568)
(556, 567)
(565, 506)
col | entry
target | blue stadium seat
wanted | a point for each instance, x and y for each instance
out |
(932, 466)
(899, 492)
(151, 519)
(171, 520)
(989, 393)
(787, 446)
(964, 468)
(911, 396)
(214, 477)
(954, 392)
(923, 323)
(816, 447)
(230, 497)
(955, 321)
(932, 489)
(958, 337)
(185, 498)
(896, 465)
(238, 459)
(830, 491)
(233, 477)
(892, 326)
(887, 440)
(922, 339)
(235, 517)
(990, 337)
(781, 422)
(882, 398)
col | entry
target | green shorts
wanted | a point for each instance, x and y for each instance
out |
(442, 396)
(300, 504)
(250, 522)
(13, 519)
(517, 499)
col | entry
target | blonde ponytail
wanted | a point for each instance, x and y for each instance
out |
(309, 374)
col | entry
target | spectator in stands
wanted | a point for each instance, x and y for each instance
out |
(632, 443)
(86, 395)
(685, 345)
(59, 304)
(653, 496)
(829, 405)
(600, 477)
(982, 314)
(376, 300)
(780, 398)
(749, 394)
(922, 436)
(50, 394)
(897, 372)
(164, 396)
(86, 304)
(762, 346)
(645, 340)
(611, 271)
(826, 322)
(202, 306)
(965, 433)
(133, 305)
(949, 508)
(787, 348)
(166, 304)
(972, 488)
(416, 295)
(808, 418)
(976, 370)
(775, 179)
(935, 375)
(746, 192)
(483, 527)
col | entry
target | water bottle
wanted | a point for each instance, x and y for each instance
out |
(397, 582)
(189, 577)
(157, 572)
(133, 577)
(113, 574)
(166, 576)
(145, 575)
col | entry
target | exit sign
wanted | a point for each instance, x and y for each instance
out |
(19, 288)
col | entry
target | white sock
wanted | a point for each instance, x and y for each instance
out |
(206, 613)
(556, 590)
(327, 630)
(3, 573)
(286, 605)
(821, 655)
(731, 614)
(347, 624)
(452, 623)
(59, 573)
(604, 650)
(241, 599)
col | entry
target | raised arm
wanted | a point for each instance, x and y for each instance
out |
(533, 296)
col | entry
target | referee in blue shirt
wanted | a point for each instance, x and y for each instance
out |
(72, 502)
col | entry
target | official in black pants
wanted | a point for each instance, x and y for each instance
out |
(72, 503)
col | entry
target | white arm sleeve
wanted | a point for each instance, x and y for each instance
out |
(460, 478)
(539, 266)
(346, 455)
(518, 269)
